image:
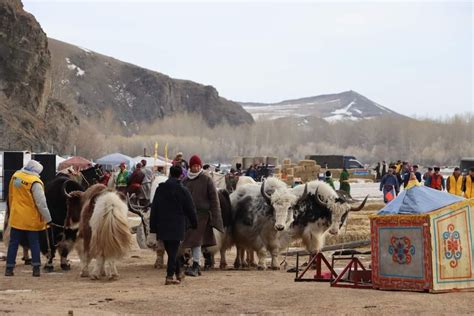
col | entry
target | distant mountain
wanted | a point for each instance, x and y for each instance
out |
(91, 83)
(348, 105)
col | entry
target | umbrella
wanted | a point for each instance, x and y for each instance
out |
(78, 163)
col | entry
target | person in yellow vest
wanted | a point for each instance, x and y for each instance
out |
(454, 183)
(29, 214)
(468, 187)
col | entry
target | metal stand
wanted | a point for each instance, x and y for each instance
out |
(316, 261)
(357, 275)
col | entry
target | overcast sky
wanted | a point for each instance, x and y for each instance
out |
(413, 57)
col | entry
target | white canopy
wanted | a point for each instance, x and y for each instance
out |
(152, 162)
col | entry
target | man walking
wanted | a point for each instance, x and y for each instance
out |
(29, 214)
(389, 185)
(172, 205)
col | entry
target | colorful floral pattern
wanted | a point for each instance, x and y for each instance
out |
(401, 249)
(452, 245)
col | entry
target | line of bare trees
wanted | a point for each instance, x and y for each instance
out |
(424, 141)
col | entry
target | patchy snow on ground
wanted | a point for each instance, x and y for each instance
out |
(79, 72)
(86, 50)
(122, 94)
(361, 189)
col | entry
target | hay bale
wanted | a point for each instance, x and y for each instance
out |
(307, 163)
(287, 161)
(290, 171)
(310, 169)
(298, 169)
(247, 162)
(277, 170)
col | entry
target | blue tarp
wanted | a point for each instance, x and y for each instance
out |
(419, 200)
(113, 160)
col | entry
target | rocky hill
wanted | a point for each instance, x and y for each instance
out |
(91, 83)
(29, 117)
(47, 88)
(348, 105)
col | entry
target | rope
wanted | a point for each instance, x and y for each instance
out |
(56, 225)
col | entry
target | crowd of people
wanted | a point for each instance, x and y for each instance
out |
(185, 209)
(403, 174)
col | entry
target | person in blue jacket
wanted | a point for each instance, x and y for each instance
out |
(389, 185)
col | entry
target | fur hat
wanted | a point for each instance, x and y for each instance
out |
(195, 160)
(33, 166)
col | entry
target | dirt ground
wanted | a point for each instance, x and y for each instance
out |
(141, 290)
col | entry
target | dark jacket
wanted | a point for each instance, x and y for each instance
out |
(171, 206)
(204, 194)
(389, 182)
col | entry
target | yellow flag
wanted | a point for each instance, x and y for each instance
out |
(166, 152)
(156, 150)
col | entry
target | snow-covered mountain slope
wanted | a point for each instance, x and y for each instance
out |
(348, 105)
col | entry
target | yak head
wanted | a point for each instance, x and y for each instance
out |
(281, 201)
(339, 206)
(74, 206)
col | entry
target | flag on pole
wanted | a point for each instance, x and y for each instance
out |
(156, 150)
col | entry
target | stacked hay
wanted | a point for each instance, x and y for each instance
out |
(307, 170)
(286, 172)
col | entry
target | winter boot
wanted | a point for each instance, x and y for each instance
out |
(36, 271)
(208, 261)
(171, 281)
(9, 272)
(180, 269)
(194, 271)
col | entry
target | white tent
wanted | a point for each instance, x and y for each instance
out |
(112, 161)
(152, 162)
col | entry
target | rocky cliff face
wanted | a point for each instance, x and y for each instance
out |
(29, 118)
(91, 83)
(48, 87)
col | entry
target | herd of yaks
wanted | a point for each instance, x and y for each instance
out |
(258, 217)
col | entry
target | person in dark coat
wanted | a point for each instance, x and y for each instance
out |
(384, 168)
(377, 172)
(205, 198)
(172, 205)
(389, 185)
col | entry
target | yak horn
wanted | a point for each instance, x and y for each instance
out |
(64, 189)
(134, 208)
(356, 209)
(318, 200)
(266, 197)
